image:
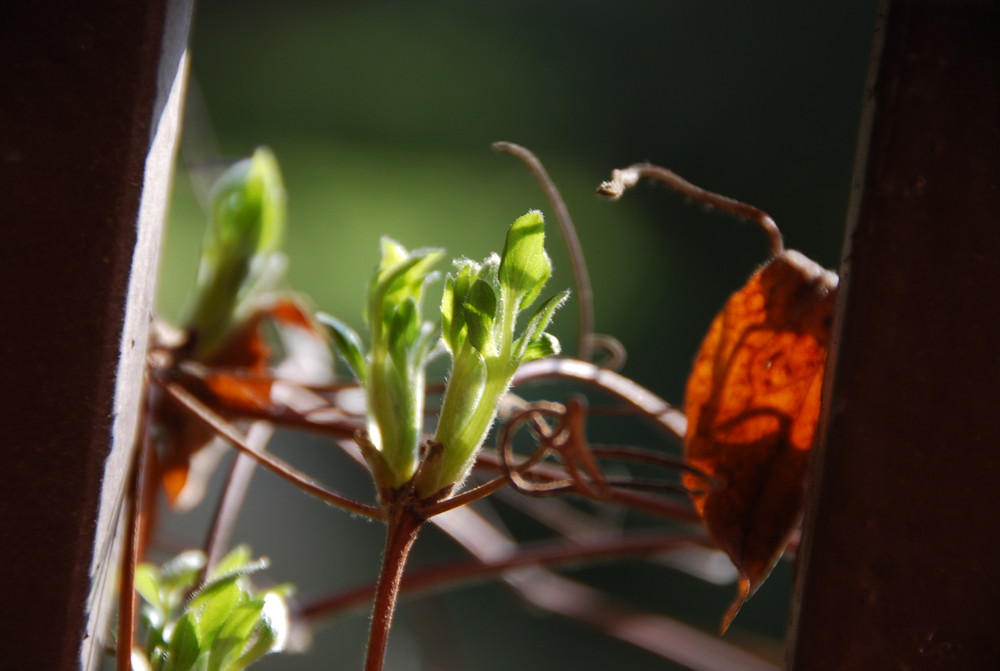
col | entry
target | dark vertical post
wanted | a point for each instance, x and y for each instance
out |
(89, 110)
(899, 564)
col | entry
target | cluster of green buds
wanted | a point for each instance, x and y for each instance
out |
(241, 256)
(479, 316)
(393, 369)
(222, 625)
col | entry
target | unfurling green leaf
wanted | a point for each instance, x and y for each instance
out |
(524, 265)
(401, 274)
(241, 257)
(184, 645)
(403, 331)
(234, 635)
(545, 345)
(347, 344)
(147, 578)
(400, 343)
(213, 607)
(537, 325)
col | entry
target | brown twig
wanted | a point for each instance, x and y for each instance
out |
(662, 636)
(141, 474)
(490, 460)
(403, 526)
(625, 178)
(666, 416)
(277, 466)
(643, 456)
(455, 574)
(233, 494)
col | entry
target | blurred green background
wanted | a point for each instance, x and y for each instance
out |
(382, 114)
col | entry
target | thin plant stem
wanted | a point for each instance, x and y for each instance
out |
(442, 577)
(669, 418)
(625, 178)
(141, 474)
(553, 593)
(649, 457)
(466, 497)
(584, 292)
(331, 419)
(403, 527)
(233, 494)
(277, 466)
(490, 460)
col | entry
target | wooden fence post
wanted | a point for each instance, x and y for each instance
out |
(90, 98)
(900, 553)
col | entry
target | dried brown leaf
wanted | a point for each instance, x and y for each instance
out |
(753, 402)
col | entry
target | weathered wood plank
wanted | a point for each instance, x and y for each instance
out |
(88, 124)
(897, 569)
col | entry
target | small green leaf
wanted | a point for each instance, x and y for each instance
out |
(524, 266)
(403, 331)
(468, 272)
(184, 647)
(347, 344)
(546, 345)
(213, 608)
(480, 310)
(264, 643)
(234, 635)
(234, 561)
(538, 323)
(241, 255)
(147, 578)
(447, 312)
(401, 274)
(182, 572)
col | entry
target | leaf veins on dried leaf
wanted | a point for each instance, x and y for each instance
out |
(753, 402)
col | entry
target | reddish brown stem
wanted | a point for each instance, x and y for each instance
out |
(131, 547)
(667, 417)
(233, 494)
(625, 178)
(487, 459)
(549, 554)
(404, 525)
(277, 466)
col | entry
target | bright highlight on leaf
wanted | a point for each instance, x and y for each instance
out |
(241, 255)
(525, 267)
